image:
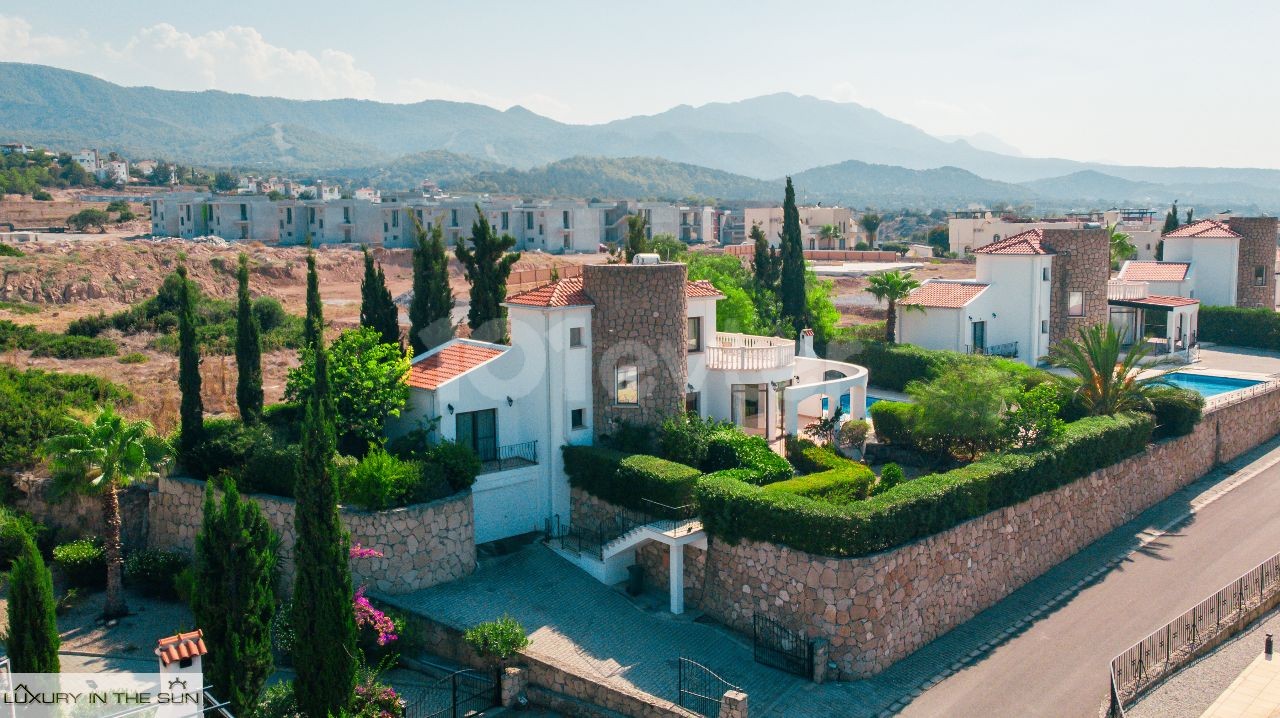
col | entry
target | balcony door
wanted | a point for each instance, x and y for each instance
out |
(479, 430)
(750, 404)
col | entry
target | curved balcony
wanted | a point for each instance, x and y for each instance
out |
(748, 352)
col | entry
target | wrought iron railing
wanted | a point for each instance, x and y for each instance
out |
(512, 456)
(1008, 349)
(699, 689)
(1162, 652)
(673, 520)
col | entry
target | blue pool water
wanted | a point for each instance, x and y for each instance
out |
(844, 402)
(1207, 384)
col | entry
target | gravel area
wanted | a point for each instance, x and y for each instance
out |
(1193, 689)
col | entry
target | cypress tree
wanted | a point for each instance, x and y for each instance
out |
(791, 290)
(429, 321)
(325, 658)
(191, 411)
(313, 329)
(377, 308)
(637, 236)
(234, 600)
(248, 351)
(1170, 219)
(33, 640)
(764, 262)
(487, 264)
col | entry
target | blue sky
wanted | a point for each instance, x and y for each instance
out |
(1136, 82)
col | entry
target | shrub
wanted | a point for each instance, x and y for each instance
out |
(853, 434)
(890, 476)
(15, 529)
(497, 640)
(83, 563)
(282, 634)
(1241, 327)
(732, 449)
(184, 584)
(827, 475)
(271, 467)
(592, 468)
(57, 346)
(893, 366)
(226, 447)
(278, 701)
(371, 698)
(684, 438)
(153, 571)
(34, 403)
(642, 477)
(459, 463)
(1177, 410)
(285, 420)
(962, 412)
(8, 250)
(133, 358)
(895, 422)
(379, 481)
(41, 196)
(733, 509)
(413, 445)
(631, 438)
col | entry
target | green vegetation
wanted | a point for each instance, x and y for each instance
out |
(382, 481)
(248, 350)
(1177, 410)
(892, 288)
(133, 358)
(191, 409)
(378, 310)
(893, 366)
(791, 285)
(1240, 327)
(429, 322)
(1105, 378)
(8, 250)
(88, 218)
(99, 459)
(457, 463)
(58, 346)
(32, 640)
(732, 449)
(497, 640)
(83, 563)
(962, 412)
(34, 404)
(152, 571)
(29, 173)
(234, 597)
(486, 263)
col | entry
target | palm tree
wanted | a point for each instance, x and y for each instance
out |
(1121, 246)
(1103, 381)
(870, 221)
(893, 287)
(830, 235)
(100, 458)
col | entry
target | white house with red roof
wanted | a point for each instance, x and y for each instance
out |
(630, 343)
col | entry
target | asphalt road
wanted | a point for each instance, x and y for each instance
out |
(1057, 666)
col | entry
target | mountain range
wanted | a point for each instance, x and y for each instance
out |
(730, 150)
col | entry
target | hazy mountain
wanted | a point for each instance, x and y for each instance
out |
(447, 169)
(860, 184)
(631, 177)
(985, 141)
(279, 145)
(1092, 188)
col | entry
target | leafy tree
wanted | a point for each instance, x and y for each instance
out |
(962, 411)
(126, 215)
(1104, 378)
(429, 321)
(667, 247)
(100, 458)
(32, 640)
(791, 284)
(892, 288)
(86, 218)
(368, 380)
(225, 181)
(377, 309)
(313, 329)
(637, 236)
(823, 315)
(117, 205)
(1034, 421)
(248, 350)
(1170, 219)
(325, 663)
(739, 311)
(234, 597)
(830, 235)
(487, 264)
(871, 222)
(765, 263)
(1122, 248)
(1190, 211)
(191, 411)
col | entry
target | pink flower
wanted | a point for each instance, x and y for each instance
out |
(367, 615)
(358, 551)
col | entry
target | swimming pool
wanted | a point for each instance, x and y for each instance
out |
(1207, 384)
(844, 402)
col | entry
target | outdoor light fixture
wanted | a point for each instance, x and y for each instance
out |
(689, 387)
(510, 401)
(449, 407)
(993, 315)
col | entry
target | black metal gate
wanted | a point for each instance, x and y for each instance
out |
(700, 690)
(780, 647)
(462, 693)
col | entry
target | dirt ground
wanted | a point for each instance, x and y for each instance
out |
(858, 307)
(22, 211)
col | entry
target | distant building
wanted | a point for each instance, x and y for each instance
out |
(11, 148)
(967, 230)
(812, 220)
(1224, 262)
(88, 159)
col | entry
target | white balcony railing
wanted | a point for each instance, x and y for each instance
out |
(747, 352)
(1119, 289)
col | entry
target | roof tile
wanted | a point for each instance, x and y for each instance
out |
(944, 295)
(180, 646)
(454, 360)
(701, 288)
(1027, 242)
(1154, 271)
(561, 293)
(1203, 228)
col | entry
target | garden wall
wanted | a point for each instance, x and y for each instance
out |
(422, 545)
(878, 609)
(77, 515)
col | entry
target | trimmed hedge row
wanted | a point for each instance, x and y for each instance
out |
(894, 421)
(1177, 410)
(1240, 327)
(893, 366)
(732, 449)
(733, 509)
(628, 479)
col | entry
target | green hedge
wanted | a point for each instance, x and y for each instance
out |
(1177, 410)
(894, 422)
(893, 366)
(732, 449)
(827, 475)
(1240, 327)
(628, 479)
(83, 562)
(733, 509)
(58, 346)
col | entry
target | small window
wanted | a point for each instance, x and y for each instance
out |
(575, 336)
(626, 390)
(1044, 326)
(565, 219)
(995, 238)
(528, 220)
(1259, 276)
(695, 334)
(453, 218)
(1044, 274)
(506, 220)
(1075, 304)
(578, 419)
(693, 402)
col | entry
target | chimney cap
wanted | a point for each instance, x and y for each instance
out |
(180, 646)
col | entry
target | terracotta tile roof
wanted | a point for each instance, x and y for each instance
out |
(562, 293)
(944, 295)
(701, 288)
(1158, 300)
(1203, 228)
(455, 359)
(1154, 271)
(1027, 242)
(183, 645)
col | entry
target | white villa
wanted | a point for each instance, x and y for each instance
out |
(622, 343)
(1225, 262)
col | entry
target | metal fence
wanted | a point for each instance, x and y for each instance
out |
(780, 647)
(1158, 654)
(1239, 395)
(675, 520)
(461, 693)
(511, 456)
(699, 689)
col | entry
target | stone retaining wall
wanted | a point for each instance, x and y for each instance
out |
(876, 610)
(422, 545)
(78, 515)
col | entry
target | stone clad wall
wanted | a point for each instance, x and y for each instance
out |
(640, 318)
(876, 610)
(422, 545)
(78, 515)
(1082, 263)
(1257, 249)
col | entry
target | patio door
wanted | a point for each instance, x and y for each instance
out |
(479, 430)
(979, 337)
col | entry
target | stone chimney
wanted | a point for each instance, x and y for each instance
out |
(1082, 263)
(181, 673)
(1256, 267)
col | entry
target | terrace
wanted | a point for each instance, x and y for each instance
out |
(747, 352)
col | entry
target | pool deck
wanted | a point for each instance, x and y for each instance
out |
(1231, 362)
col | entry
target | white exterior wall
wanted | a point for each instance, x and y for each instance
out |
(1019, 297)
(1214, 263)
(934, 328)
(705, 309)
